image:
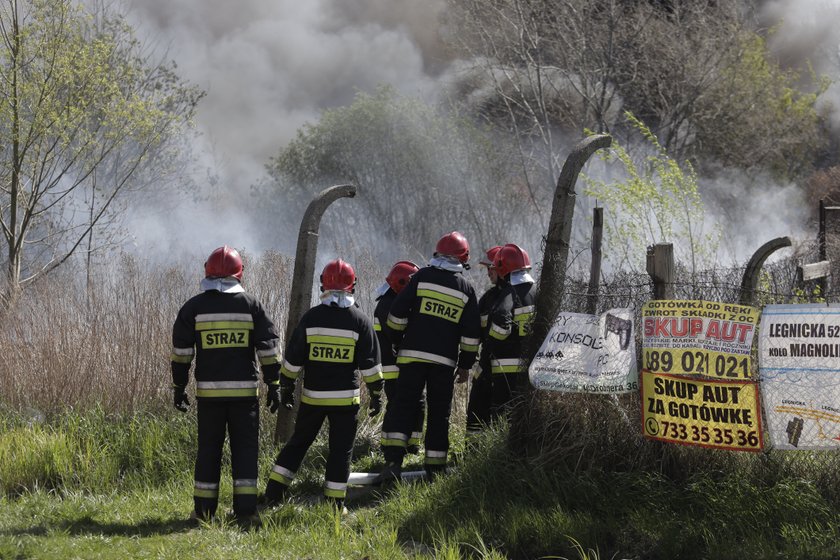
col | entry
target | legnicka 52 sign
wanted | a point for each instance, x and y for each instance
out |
(684, 337)
(799, 364)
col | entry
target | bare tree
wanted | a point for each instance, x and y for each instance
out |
(686, 68)
(82, 112)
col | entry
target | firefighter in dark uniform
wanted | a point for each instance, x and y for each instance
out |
(396, 280)
(436, 326)
(481, 391)
(227, 331)
(332, 341)
(510, 323)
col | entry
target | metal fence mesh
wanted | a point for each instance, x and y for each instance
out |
(602, 429)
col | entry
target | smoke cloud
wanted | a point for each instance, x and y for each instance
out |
(805, 32)
(269, 67)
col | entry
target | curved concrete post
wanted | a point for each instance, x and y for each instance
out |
(553, 276)
(300, 297)
(749, 283)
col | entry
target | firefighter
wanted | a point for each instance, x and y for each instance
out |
(481, 391)
(396, 280)
(510, 323)
(431, 320)
(227, 331)
(332, 341)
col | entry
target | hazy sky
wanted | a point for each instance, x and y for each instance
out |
(268, 67)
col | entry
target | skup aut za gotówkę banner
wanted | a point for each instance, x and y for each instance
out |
(714, 413)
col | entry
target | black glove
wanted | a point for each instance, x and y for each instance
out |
(375, 405)
(287, 396)
(272, 399)
(181, 401)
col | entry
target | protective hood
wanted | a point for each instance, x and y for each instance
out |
(228, 285)
(381, 290)
(521, 277)
(444, 262)
(338, 298)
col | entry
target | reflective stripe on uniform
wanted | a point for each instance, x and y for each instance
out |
(330, 398)
(270, 356)
(498, 332)
(373, 374)
(469, 344)
(226, 388)
(390, 372)
(281, 475)
(484, 319)
(415, 438)
(290, 370)
(394, 439)
(442, 293)
(396, 323)
(182, 355)
(435, 457)
(411, 356)
(521, 310)
(245, 486)
(522, 316)
(376, 325)
(507, 365)
(319, 333)
(206, 489)
(209, 321)
(335, 489)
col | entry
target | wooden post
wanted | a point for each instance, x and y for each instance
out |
(823, 281)
(300, 298)
(749, 282)
(660, 267)
(595, 266)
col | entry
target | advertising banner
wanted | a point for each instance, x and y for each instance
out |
(716, 414)
(799, 368)
(588, 354)
(684, 337)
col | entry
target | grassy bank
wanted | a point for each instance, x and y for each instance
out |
(87, 485)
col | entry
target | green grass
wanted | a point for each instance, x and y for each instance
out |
(90, 485)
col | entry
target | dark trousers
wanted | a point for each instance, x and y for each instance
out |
(478, 405)
(391, 395)
(438, 381)
(343, 421)
(240, 420)
(507, 388)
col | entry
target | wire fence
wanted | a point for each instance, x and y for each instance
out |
(600, 430)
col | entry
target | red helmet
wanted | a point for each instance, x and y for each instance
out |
(490, 256)
(511, 258)
(223, 262)
(338, 275)
(454, 244)
(399, 275)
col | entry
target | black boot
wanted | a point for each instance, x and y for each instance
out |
(433, 471)
(391, 473)
(275, 495)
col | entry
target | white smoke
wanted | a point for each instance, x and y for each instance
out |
(268, 67)
(803, 33)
